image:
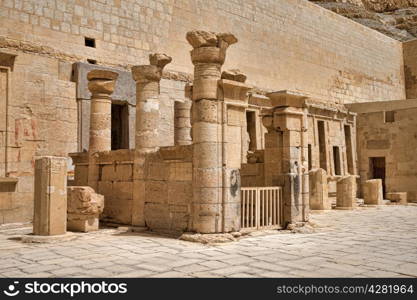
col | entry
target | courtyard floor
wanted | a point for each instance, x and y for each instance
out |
(368, 242)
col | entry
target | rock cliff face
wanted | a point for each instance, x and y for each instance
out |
(395, 18)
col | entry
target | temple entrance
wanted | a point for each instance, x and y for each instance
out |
(377, 170)
(119, 126)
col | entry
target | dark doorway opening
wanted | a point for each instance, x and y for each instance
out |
(322, 145)
(251, 128)
(336, 161)
(377, 170)
(310, 162)
(349, 155)
(119, 126)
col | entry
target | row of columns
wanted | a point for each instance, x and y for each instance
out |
(101, 84)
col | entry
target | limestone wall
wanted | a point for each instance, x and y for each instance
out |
(41, 116)
(395, 141)
(286, 44)
(279, 41)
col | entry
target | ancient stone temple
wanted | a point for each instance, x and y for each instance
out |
(250, 123)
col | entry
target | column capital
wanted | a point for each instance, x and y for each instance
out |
(102, 82)
(209, 47)
(153, 71)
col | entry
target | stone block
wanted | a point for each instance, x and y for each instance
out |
(84, 208)
(50, 206)
(399, 197)
(346, 193)
(372, 192)
(319, 191)
(122, 190)
(180, 171)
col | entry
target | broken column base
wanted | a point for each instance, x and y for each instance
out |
(48, 239)
(82, 225)
(346, 193)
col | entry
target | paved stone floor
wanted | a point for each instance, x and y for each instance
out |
(369, 242)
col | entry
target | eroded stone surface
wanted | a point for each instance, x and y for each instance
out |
(84, 208)
(235, 75)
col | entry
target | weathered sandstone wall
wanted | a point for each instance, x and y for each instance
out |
(286, 44)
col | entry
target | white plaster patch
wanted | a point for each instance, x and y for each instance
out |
(149, 106)
(51, 189)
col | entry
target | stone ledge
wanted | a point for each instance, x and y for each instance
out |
(12, 180)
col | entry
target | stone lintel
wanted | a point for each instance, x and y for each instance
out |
(287, 98)
(259, 100)
(234, 90)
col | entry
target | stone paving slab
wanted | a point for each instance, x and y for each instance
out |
(371, 242)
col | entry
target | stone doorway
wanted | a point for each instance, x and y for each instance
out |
(119, 126)
(251, 128)
(377, 170)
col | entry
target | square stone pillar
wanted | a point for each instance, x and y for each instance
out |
(286, 153)
(50, 206)
(372, 192)
(346, 193)
(233, 93)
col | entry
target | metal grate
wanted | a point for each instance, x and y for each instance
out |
(261, 207)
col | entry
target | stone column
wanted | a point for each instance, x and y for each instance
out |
(50, 206)
(208, 55)
(319, 190)
(372, 192)
(346, 193)
(101, 85)
(147, 79)
(182, 126)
